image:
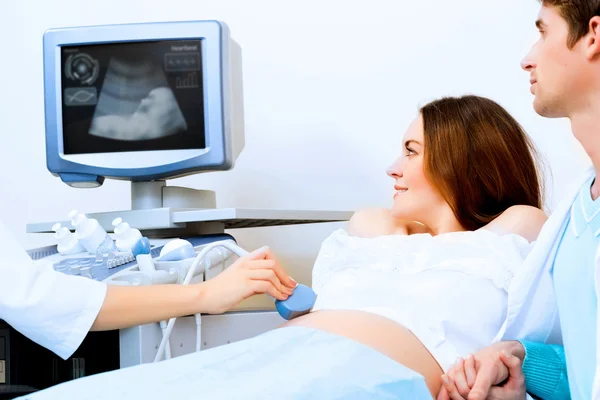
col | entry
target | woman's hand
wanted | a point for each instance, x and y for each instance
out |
(459, 380)
(256, 273)
(473, 377)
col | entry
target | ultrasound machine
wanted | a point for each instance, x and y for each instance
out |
(146, 103)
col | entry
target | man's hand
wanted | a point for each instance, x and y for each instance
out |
(514, 388)
(472, 378)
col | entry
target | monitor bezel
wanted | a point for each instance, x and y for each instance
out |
(217, 155)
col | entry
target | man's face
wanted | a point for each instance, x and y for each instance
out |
(558, 75)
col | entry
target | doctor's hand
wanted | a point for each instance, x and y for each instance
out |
(476, 376)
(256, 273)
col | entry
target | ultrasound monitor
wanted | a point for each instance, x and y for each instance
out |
(142, 102)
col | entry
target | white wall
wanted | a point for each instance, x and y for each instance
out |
(330, 87)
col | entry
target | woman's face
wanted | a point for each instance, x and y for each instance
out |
(415, 198)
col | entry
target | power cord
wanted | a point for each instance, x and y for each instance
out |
(167, 333)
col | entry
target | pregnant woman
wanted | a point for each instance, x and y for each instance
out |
(466, 208)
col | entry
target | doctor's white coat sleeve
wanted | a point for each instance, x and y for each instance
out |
(52, 309)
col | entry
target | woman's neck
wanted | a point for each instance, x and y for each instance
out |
(442, 221)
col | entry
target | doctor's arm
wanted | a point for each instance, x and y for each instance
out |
(257, 273)
(57, 310)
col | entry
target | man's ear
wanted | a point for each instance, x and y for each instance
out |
(592, 39)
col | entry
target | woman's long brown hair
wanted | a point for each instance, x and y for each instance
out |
(479, 158)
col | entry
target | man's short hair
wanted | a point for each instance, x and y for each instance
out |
(577, 13)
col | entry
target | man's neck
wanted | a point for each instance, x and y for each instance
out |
(586, 129)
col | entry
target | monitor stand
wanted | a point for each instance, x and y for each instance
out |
(161, 211)
(156, 194)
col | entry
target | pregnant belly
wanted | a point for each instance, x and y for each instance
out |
(381, 334)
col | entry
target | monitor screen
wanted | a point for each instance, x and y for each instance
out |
(134, 96)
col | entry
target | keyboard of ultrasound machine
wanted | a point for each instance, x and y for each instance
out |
(99, 268)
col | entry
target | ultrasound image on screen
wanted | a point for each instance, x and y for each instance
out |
(132, 97)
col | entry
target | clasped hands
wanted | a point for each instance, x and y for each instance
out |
(493, 373)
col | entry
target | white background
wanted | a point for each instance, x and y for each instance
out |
(329, 88)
